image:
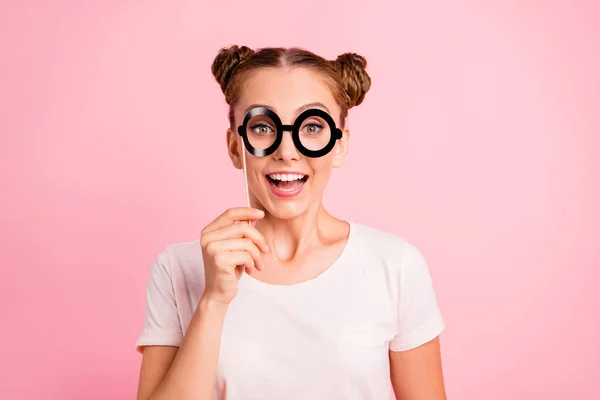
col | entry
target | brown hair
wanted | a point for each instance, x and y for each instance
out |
(346, 75)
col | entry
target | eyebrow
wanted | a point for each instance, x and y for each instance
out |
(315, 104)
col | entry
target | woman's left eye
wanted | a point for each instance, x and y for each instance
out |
(313, 128)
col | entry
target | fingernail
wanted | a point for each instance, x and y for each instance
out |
(259, 213)
(266, 249)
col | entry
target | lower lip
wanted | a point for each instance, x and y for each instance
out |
(284, 193)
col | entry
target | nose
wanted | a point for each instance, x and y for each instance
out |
(287, 150)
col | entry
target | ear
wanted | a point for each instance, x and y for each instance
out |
(341, 149)
(234, 149)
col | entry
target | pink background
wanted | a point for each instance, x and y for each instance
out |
(479, 142)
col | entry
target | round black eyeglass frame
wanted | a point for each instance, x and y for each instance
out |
(336, 133)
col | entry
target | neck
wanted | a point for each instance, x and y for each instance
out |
(290, 238)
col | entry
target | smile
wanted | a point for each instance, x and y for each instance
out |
(286, 184)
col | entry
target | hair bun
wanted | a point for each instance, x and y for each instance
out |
(356, 80)
(226, 62)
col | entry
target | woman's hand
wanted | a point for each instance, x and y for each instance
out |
(230, 245)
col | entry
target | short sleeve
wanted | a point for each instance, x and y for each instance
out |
(419, 317)
(161, 323)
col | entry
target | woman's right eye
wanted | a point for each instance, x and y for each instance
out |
(261, 129)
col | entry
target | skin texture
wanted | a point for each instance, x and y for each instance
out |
(288, 241)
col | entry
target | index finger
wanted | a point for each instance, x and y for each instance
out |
(235, 214)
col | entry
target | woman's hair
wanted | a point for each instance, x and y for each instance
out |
(346, 76)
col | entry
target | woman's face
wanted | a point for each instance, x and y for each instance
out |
(273, 180)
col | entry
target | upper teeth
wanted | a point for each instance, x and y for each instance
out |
(286, 177)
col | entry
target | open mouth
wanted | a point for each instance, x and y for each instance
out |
(287, 182)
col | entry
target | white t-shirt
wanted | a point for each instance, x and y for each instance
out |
(326, 338)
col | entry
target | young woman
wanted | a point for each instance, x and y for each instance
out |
(282, 300)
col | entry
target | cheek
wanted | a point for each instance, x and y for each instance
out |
(255, 167)
(322, 168)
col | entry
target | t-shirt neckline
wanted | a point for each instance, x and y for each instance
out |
(257, 285)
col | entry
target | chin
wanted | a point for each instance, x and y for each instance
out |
(286, 213)
(287, 209)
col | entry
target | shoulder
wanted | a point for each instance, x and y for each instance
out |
(182, 261)
(184, 253)
(387, 246)
(389, 255)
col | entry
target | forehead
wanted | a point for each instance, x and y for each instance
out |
(285, 90)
